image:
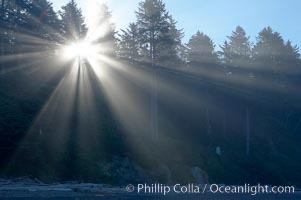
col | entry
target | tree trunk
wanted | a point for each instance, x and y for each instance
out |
(154, 88)
(224, 125)
(154, 104)
(208, 122)
(247, 131)
(2, 36)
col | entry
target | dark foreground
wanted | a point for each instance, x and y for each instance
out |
(148, 197)
(34, 190)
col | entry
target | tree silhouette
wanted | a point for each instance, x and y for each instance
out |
(271, 53)
(45, 19)
(11, 19)
(159, 37)
(237, 51)
(4, 25)
(42, 23)
(102, 31)
(35, 19)
(292, 58)
(129, 46)
(74, 27)
(170, 44)
(201, 50)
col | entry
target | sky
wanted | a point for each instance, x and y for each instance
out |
(216, 18)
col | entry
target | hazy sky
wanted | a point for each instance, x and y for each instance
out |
(216, 18)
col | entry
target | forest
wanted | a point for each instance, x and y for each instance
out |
(141, 105)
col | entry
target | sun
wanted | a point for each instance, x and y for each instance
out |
(80, 50)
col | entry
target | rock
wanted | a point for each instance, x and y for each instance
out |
(164, 172)
(122, 170)
(218, 151)
(199, 175)
(87, 190)
(26, 180)
(38, 181)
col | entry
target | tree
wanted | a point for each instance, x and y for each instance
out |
(40, 22)
(102, 31)
(237, 51)
(274, 56)
(74, 27)
(269, 49)
(201, 50)
(170, 45)
(292, 55)
(159, 38)
(4, 26)
(157, 43)
(44, 19)
(4, 40)
(12, 17)
(129, 43)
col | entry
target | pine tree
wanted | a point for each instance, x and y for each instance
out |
(4, 40)
(18, 21)
(237, 51)
(102, 31)
(151, 18)
(276, 58)
(4, 21)
(154, 27)
(74, 27)
(292, 55)
(42, 23)
(129, 43)
(269, 50)
(170, 44)
(28, 26)
(201, 50)
(44, 19)
(13, 17)
(159, 38)
(293, 64)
